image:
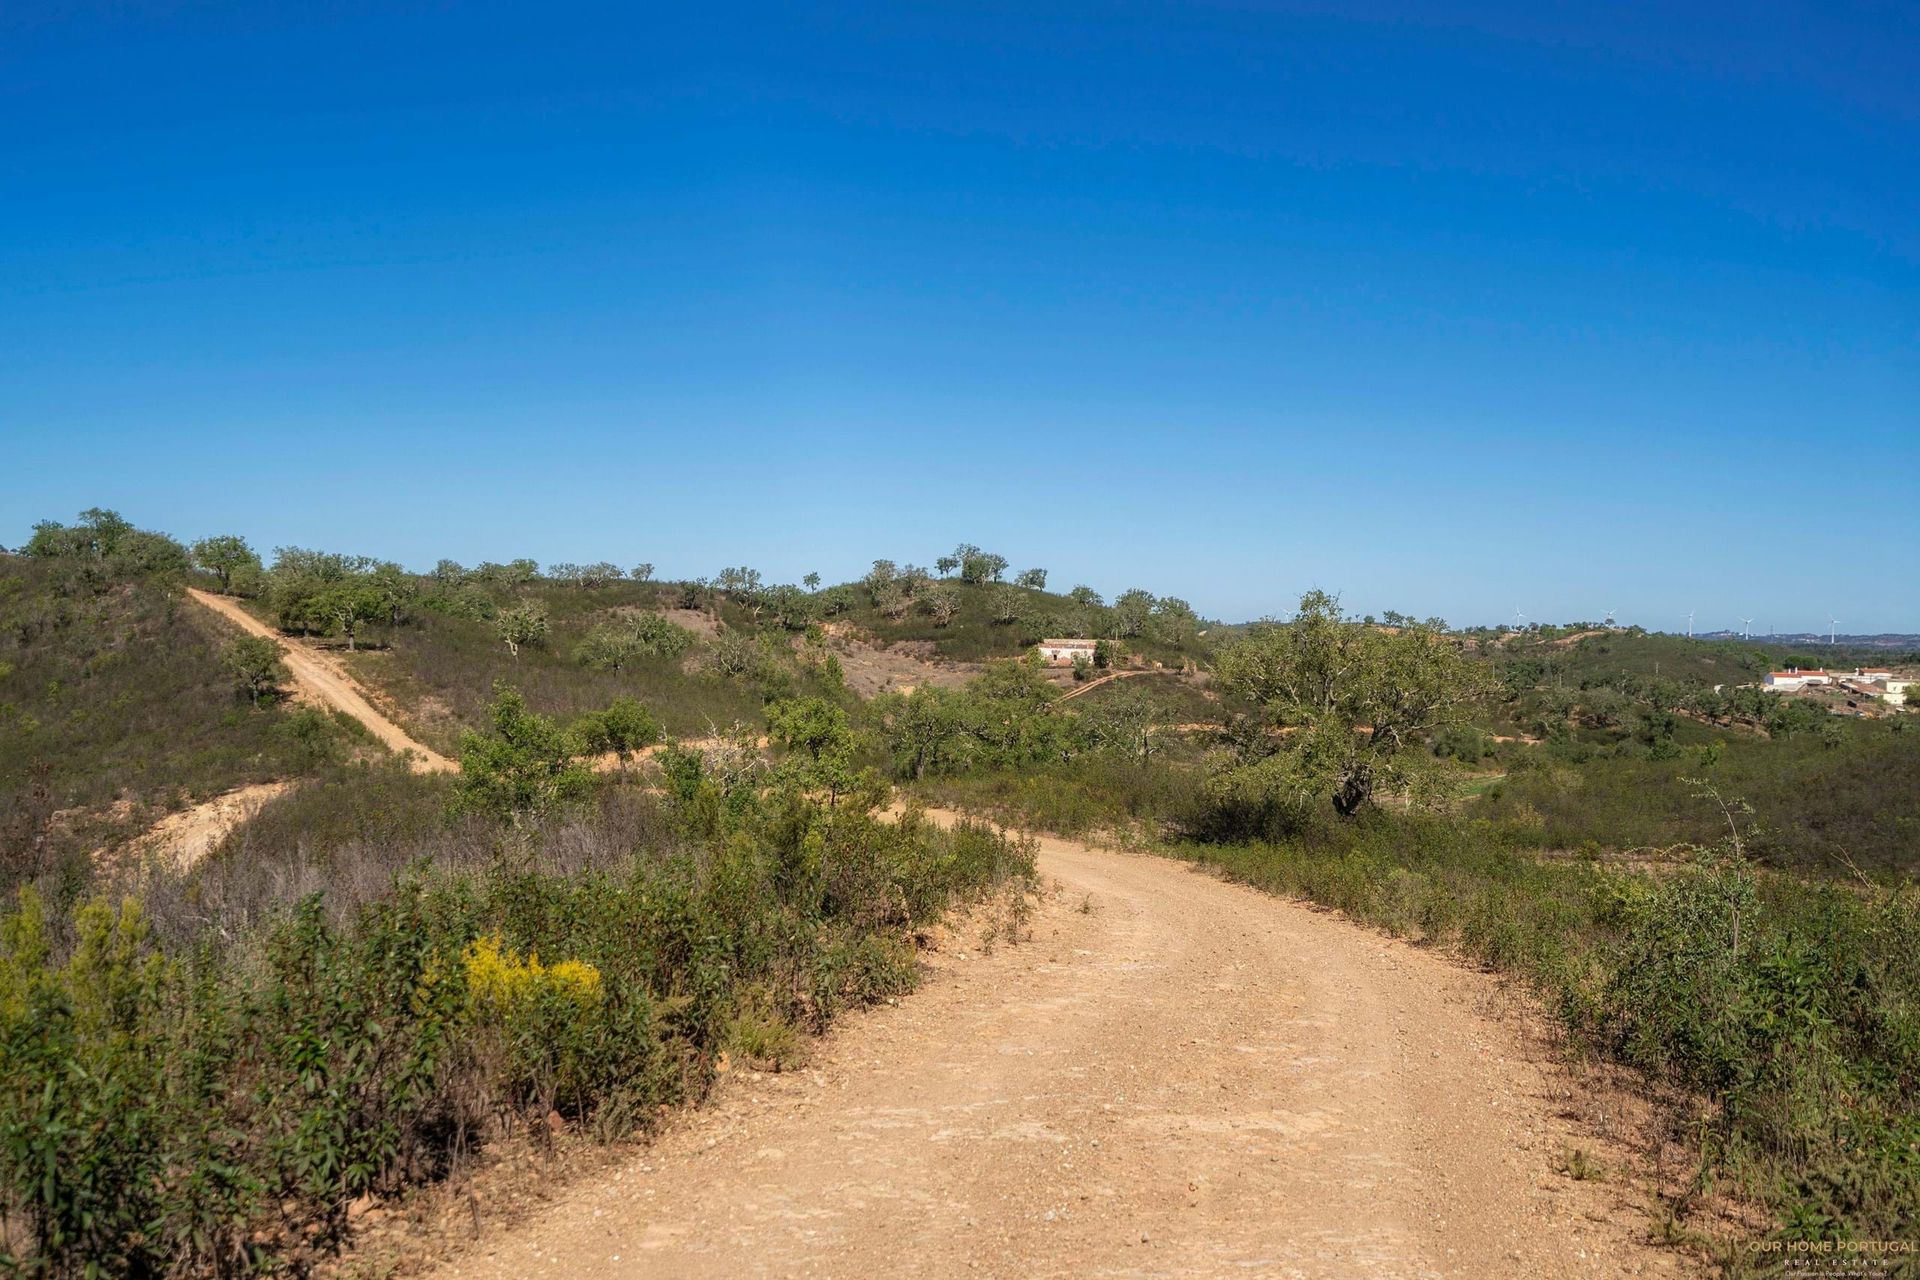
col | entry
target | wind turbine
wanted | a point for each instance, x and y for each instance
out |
(1609, 621)
(1833, 631)
(1689, 624)
(1746, 632)
(1518, 619)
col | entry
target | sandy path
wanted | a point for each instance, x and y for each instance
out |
(1185, 1078)
(182, 839)
(321, 678)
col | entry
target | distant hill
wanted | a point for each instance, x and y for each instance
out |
(1901, 640)
(1600, 658)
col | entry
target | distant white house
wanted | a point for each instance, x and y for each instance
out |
(1794, 678)
(1061, 653)
(1882, 683)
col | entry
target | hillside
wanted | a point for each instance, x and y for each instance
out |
(700, 654)
(705, 667)
(115, 708)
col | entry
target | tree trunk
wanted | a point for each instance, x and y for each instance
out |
(1355, 790)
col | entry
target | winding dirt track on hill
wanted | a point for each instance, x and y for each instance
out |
(324, 680)
(1175, 1076)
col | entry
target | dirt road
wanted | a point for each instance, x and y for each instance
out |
(319, 677)
(1175, 1076)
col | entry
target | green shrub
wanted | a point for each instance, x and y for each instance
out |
(623, 728)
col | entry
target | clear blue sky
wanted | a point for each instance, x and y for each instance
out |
(1452, 309)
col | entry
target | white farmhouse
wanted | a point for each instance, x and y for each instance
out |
(1883, 684)
(1061, 653)
(1794, 678)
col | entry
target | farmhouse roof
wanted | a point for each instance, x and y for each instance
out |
(1069, 644)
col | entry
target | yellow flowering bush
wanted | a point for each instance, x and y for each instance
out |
(500, 982)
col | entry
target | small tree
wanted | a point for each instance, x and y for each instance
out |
(982, 566)
(345, 604)
(741, 581)
(224, 556)
(915, 578)
(946, 564)
(660, 638)
(1124, 721)
(790, 606)
(522, 766)
(892, 601)
(585, 576)
(1033, 579)
(1131, 611)
(623, 728)
(1173, 621)
(819, 741)
(254, 663)
(813, 581)
(736, 656)
(524, 624)
(608, 647)
(393, 589)
(1355, 702)
(922, 731)
(942, 603)
(643, 572)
